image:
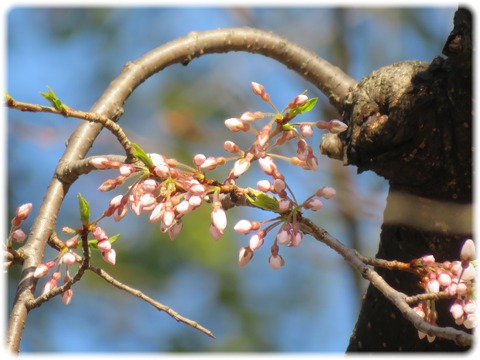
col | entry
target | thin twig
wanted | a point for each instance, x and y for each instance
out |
(386, 264)
(415, 299)
(135, 292)
(114, 128)
(61, 289)
(396, 298)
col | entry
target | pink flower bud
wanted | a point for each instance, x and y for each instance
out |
(470, 307)
(470, 321)
(326, 192)
(68, 230)
(157, 212)
(276, 261)
(257, 88)
(215, 233)
(41, 271)
(157, 159)
(72, 242)
(462, 289)
(199, 159)
(69, 259)
(433, 286)
(256, 240)
(244, 256)
(427, 260)
(56, 275)
(263, 135)
(297, 237)
(306, 130)
(99, 163)
(126, 170)
(195, 201)
(184, 207)
(18, 236)
(444, 280)
(311, 163)
(302, 150)
(136, 207)
(67, 296)
(299, 100)
(120, 213)
(149, 185)
(236, 125)
(116, 201)
(264, 185)
(469, 273)
(284, 204)
(267, 165)
(109, 256)
(21, 214)
(467, 253)
(240, 167)
(49, 286)
(421, 335)
(212, 162)
(313, 204)
(195, 187)
(249, 116)
(243, 226)
(108, 185)
(162, 171)
(168, 218)
(175, 230)
(231, 147)
(279, 185)
(219, 218)
(336, 126)
(104, 245)
(99, 234)
(284, 237)
(431, 338)
(456, 310)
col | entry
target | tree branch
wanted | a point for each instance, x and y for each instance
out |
(397, 298)
(111, 280)
(114, 128)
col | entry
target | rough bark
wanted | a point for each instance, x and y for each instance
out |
(411, 123)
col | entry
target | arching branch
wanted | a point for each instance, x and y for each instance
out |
(328, 78)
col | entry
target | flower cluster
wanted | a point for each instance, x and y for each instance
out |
(68, 257)
(289, 233)
(457, 279)
(168, 189)
(17, 235)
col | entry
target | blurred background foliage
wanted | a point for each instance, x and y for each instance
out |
(311, 304)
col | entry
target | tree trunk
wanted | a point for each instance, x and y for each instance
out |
(411, 123)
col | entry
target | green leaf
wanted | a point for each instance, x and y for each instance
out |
(141, 155)
(308, 106)
(113, 238)
(263, 201)
(287, 127)
(93, 243)
(84, 209)
(54, 100)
